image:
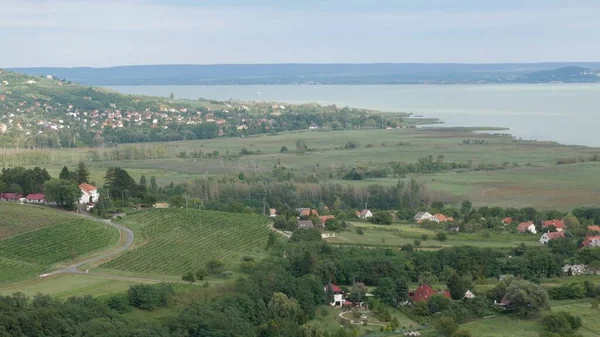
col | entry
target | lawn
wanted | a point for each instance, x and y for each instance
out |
(67, 285)
(175, 241)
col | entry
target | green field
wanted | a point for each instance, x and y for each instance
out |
(537, 181)
(31, 253)
(16, 218)
(177, 241)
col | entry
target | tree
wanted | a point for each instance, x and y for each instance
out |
(214, 267)
(445, 326)
(82, 174)
(120, 185)
(65, 193)
(306, 234)
(201, 274)
(465, 207)
(401, 289)
(301, 147)
(441, 236)
(561, 323)
(526, 297)
(153, 185)
(386, 291)
(593, 267)
(382, 218)
(65, 174)
(458, 285)
(189, 277)
(438, 303)
(280, 306)
(171, 96)
(462, 333)
(283, 149)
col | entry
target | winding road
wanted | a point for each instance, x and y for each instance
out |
(74, 268)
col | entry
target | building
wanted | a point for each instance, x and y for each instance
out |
(161, 205)
(594, 228)
(10, 196)
(304, 224)
(507, 221)
(421, 216)
(338, 294)
(272, 212)
(469, 294)
(527, 226)
(442, 218)
(424, 292)
(35, 198)
(558, 224)
(324, 218)
(547, 237)
(364, 214)
(89, 194)
(591, 241)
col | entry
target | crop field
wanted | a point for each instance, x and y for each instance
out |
(16, 218)
(178, 241)
(33, 252)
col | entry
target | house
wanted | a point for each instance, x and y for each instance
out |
(424, 216)
(546, 237)
(307, 212)
(504, 303)
(424, 292)
(591, 241)
(272, 212)
(89, 194)
(575, 269)
(313, 126)
(469, 294)
(10, 196)
(304, 224)
(161, 205)
(442, 218)
(507, 221)
(527, 226)
(558, 224)
(35, 198)
(324, 218)
(364, 214)
(594, 228)
(338, 294)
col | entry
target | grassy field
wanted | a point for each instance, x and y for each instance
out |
(33, 252)
(537, 182)
(18, 218)
(67, 285)
(175, 241)
(402, 234)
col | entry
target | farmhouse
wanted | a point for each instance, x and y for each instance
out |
(424, 216)
(558, 224)
(338, 294)
(35, 198)
(439, 217)
(302, 224)
(546, 237)
(89, 194)
(527, 226)
(10, 196)
(424, 292)
(591, 241)
(364, 214)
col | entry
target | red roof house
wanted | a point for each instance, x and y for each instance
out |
(35, 198)
(507, 221)
(10, 196)
(594, 228)
(526, 226)
(324, 218)
(558, 224)
(424, 292)
(591, 241)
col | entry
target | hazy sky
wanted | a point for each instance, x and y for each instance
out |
(121, 32)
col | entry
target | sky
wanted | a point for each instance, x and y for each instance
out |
(101, 33)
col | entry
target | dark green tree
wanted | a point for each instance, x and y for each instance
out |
(458, 285)
(82, 174)
(65, 193)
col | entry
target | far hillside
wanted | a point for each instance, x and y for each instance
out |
(35, 238)
(178, 241)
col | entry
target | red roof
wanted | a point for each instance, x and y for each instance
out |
(522, 227)
(334, 288)
(555, 235)
(556, 223)
(87, 187)
(11, 196)
(424, 292)
(36, 196)
(347, 304)
(507, 220)
(440, 217)
(594, 228)
(589, 239)
(324, 218)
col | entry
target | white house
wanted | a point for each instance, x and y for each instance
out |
(338, 294)
(364, 214)
(546, 237)
(89, 194)
(421, 216)
(469, 294)
(527, 226)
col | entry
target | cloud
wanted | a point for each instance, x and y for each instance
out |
(111, 32)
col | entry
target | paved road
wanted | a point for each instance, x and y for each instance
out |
(74, 268)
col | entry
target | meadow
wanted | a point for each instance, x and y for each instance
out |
(174, 242)
(52, 237)
(533, 179)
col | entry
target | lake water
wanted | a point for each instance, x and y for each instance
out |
(568, 114)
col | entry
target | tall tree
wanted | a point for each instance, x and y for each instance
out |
(64, 192)
(458, 285)
(153, 185)
(82, 174)
(527, 297)
(65, 174)
(120, 185)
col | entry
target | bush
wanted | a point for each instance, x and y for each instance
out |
(562, 323)
(215, 267)
(189, 277)
(382, 218)
(462, 333)
(283, 149)
(149, 297)
(119, 303)
(360, 231)
(567, 292)
(441, 236)
(445, 326)
(437, 303)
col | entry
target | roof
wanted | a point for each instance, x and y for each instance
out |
(87, 187)
(594, 228)
(303, 211)
(334, 288)
(555, 223)
(424, 291)
(440, 217)
(420, 214)
(507, 220)
(589, 239)
(523, 226)
(14, 196)
(35, 196)
(305, 224)
(554, 235)
(324, 218)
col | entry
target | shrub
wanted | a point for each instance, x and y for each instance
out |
(149, 297)
(562, 323)
(189, 277)
(445, 326)
(441, 236)
(119, 303)
(462, 333)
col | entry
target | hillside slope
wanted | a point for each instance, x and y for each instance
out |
(562, 75)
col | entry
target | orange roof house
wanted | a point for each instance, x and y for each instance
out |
(558, 224)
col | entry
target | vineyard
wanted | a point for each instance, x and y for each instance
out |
(18, 218)
(179, 241)
(34, 252)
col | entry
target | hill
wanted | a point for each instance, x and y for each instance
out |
(245, 74)
(178, 241)
(49, 113)
(562, 75)
(39, 242)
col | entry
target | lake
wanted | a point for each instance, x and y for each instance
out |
(565, 113)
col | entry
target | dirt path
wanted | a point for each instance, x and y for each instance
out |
(108, 254)
(278, 231)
